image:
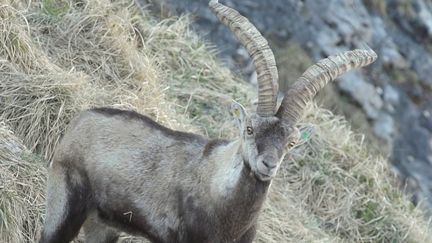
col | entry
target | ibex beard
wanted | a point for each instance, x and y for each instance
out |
(118, 170)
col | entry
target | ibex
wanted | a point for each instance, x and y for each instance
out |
(117, 170)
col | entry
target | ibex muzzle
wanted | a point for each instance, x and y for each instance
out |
(119, 170)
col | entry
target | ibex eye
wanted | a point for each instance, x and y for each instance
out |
(249, 130)
(291, 144)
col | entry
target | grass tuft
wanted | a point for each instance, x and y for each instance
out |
(22, 190)
(55, 8)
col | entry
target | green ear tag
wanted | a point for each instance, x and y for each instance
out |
(306, 133)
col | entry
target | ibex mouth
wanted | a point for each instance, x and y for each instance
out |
(259, 175)
(265, 174)
(263, 177)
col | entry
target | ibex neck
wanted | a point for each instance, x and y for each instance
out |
(231, 171)
(235, 190)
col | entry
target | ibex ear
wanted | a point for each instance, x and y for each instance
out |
(306, 133)
(239, 113)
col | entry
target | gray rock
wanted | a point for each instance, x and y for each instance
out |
(242, 55)
(254, 79)
(426, 119)
(391, 95)
(363, 92)
(391, 57)
(424, 15)
(388, 50)
(349, 19)
(384, 127)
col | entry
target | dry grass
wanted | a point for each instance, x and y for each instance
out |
(22, 183)
(59, 57)
(109, 56)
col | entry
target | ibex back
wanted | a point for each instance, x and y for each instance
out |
(117, 170)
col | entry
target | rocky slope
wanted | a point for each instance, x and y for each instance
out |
(394, 94)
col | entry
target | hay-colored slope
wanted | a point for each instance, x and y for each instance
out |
(92, 61)
(63, 56)
(22, 183)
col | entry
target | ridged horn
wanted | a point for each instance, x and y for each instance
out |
(316, 77)
(259, 50)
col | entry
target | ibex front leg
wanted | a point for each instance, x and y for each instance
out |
(68, 201)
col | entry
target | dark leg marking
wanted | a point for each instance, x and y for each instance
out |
(77, 205)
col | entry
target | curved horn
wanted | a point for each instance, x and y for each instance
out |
(316, 77)
(260, 52)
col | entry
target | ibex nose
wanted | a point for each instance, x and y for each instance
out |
(268, 164)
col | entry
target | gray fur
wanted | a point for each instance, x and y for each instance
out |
(140, 177)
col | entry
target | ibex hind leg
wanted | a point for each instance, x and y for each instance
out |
(68, 202)
(97, 232)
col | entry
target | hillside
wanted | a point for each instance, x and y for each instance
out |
(59, 57)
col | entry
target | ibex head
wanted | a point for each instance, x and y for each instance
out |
(267, 135)
(264, 141)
